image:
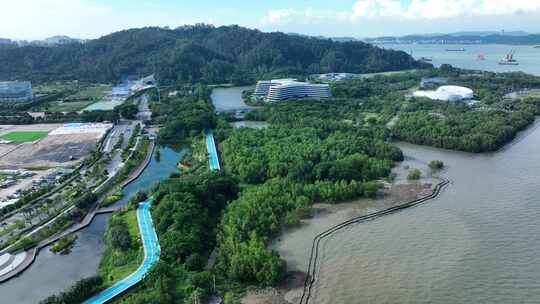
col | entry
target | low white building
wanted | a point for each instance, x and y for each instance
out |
(447, 93)
(335, 76)
(281, 89)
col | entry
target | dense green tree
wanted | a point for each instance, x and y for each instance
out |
(197, 53)
(118, 235)
(86, 200)
(78, 293)
(128, 110)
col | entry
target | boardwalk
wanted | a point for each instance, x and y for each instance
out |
(213, 159)
(151, 256)
(28, 260)
(135, 174)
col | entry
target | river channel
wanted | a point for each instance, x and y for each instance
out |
(52, 273)
(477, 243)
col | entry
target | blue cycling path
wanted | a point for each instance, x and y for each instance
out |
(213, 159)
(151, 256)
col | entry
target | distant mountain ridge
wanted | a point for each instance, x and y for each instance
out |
(475, 33)
(198, 53)
(47, 42)
(483, 37)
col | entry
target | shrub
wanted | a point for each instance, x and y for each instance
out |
(414, 174)
(436, 165)
(292, 219)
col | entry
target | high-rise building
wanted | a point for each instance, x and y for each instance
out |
(281, 89)
(15, 91)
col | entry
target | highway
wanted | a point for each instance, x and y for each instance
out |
(213, 159)
(151, 256)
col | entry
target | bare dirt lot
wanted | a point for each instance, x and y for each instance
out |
(49, 152)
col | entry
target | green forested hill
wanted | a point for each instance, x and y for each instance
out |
(197, 53)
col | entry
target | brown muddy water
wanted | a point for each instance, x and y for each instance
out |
(476, 243)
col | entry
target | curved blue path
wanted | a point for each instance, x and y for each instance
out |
(151, 256)
(213, 159)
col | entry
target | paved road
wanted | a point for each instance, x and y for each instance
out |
(213, 159)
(151, 256)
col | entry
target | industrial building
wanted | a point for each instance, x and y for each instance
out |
(447, 93)
(281, 89)
(15, 91)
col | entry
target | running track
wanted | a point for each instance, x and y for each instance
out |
(151, 256)
(213, 159)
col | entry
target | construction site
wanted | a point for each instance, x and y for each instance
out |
(42, 151)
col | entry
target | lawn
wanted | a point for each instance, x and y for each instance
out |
(24, 136)
(79, 97)
(368, 75)
(534, 94)
(75, 106)
(92, 92)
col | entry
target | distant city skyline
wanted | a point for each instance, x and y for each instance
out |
(38, 19)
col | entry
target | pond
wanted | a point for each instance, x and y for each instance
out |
(229, 99)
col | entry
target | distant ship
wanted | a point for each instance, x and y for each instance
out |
(537, 46)
(481, 57)
(456, 50)
(426, 59)
(509, 59)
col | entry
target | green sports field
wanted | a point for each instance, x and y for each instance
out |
(24, 136)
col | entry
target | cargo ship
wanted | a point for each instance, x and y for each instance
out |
(509, 59)
(456, 50)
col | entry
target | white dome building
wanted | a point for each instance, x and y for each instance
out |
(447, 93)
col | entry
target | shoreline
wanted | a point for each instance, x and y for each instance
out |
(312, 268)
(324, 217)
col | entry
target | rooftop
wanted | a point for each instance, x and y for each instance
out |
(448, 93)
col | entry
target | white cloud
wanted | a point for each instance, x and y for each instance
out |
(434, 9)
(278, 16)
(290, 15)
(376, 8)
(37, 18)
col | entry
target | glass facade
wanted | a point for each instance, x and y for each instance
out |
(15, 91)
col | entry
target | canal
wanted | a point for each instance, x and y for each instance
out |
(52, 273)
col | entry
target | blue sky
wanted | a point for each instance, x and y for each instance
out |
(36, 19)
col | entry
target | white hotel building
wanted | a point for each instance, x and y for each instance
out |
(281, 89)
